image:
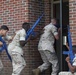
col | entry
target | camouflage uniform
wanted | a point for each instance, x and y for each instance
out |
(16, 52)
(1, 64)
(46, 49)
(69, 73)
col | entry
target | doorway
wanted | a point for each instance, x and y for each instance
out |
(55, 12)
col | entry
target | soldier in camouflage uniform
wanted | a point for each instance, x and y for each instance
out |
(72, 66)
(15, 49)
(3, 32)
(46, 49)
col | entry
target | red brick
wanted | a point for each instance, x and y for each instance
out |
(72, 18)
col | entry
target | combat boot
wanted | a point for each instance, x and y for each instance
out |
(36, 71)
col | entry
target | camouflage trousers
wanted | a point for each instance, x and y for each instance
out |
(18, 63)
(66, 73)
(48, 59)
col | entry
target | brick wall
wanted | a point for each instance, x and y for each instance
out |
(13, 13)
(72, 19)
(47, 10)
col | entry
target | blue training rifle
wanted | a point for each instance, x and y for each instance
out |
(30, 31)
(4, 47)
(70, 52)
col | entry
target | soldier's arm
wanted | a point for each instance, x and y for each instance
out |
(38, 34)
(67, 46)
(71, 67)
(9, 38)
(55, 33)
(22, 43)
(56, 36)
(22, 38)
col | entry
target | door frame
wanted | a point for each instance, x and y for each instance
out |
(52, 15)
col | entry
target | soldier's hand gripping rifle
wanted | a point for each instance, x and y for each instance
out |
(30, 31)
(70, 52)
